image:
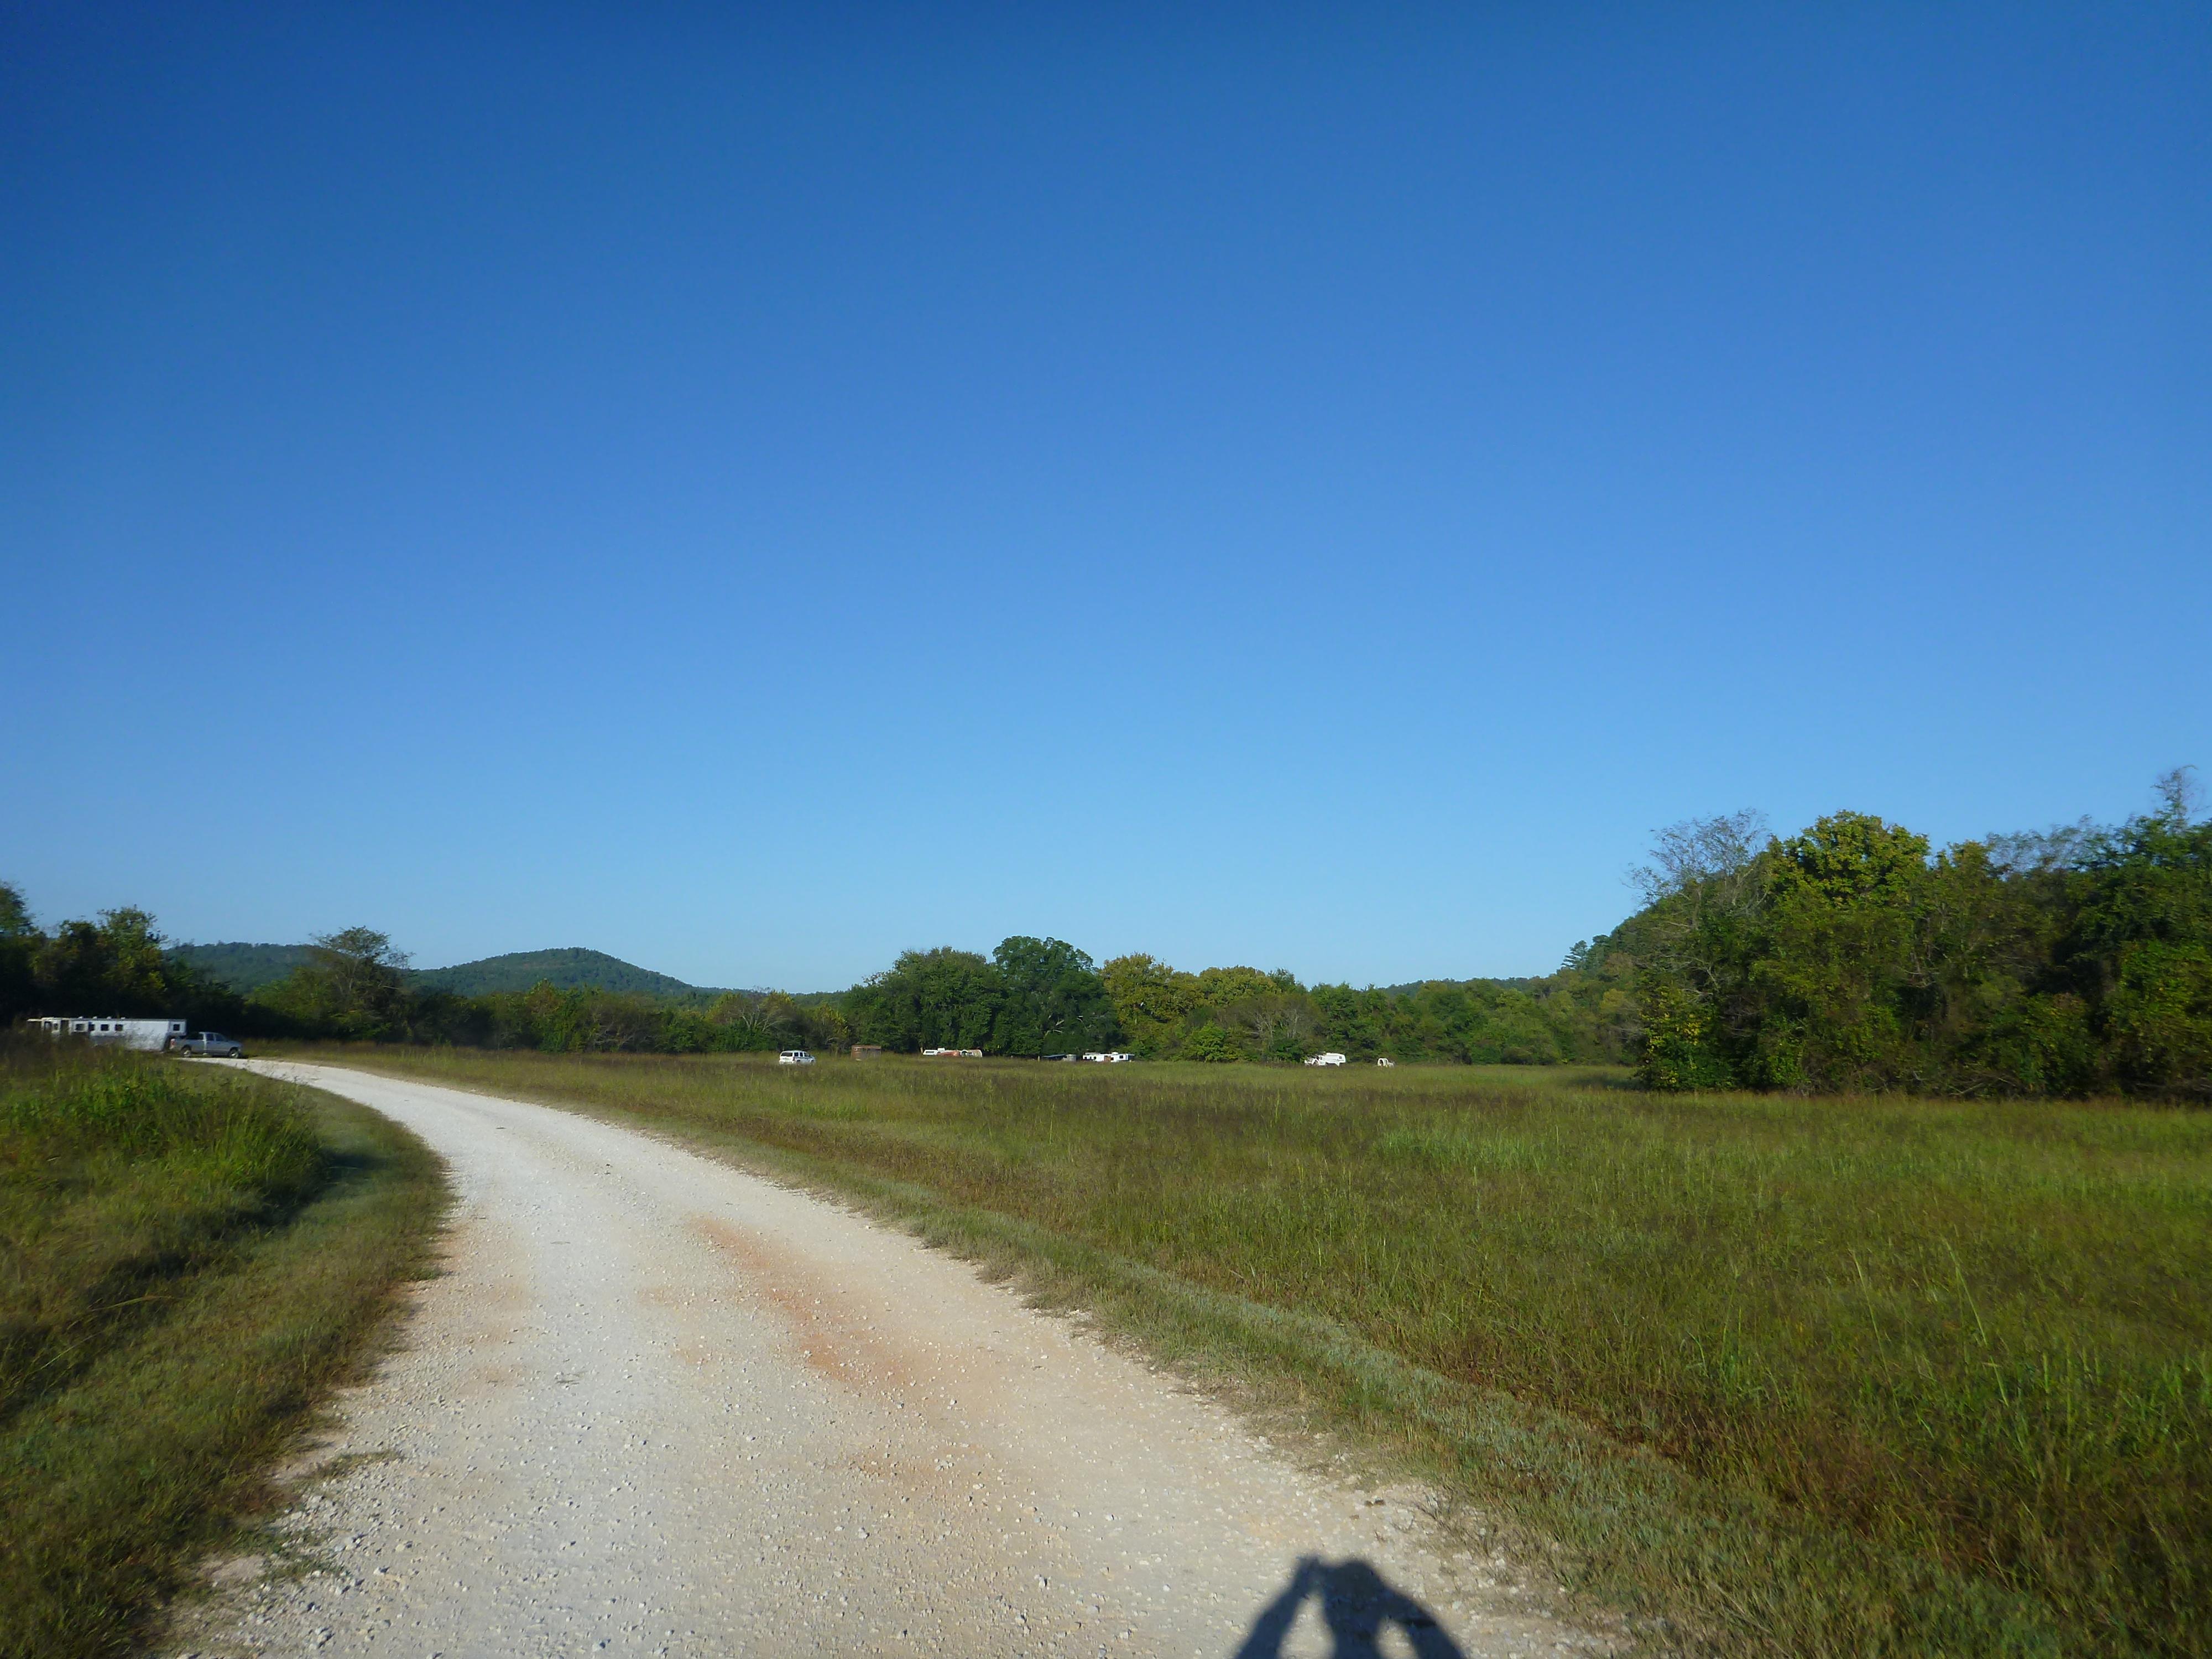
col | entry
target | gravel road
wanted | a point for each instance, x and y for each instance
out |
(656, 1405)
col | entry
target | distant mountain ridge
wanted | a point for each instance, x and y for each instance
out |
(243, 968)
(247, 968)
(571, 969)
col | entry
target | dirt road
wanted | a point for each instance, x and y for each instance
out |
(660, 1406)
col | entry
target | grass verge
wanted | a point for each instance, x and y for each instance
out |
(1847, 1376)
(189, 1259)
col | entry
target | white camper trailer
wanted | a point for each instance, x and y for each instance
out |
(113, 1031)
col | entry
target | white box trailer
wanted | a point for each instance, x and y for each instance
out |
(113, 1031)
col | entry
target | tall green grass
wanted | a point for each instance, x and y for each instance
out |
(1879, 1376)
(188, 1257)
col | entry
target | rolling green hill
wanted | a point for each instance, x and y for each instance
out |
(243, 968)
(247, 968)
(570, 968)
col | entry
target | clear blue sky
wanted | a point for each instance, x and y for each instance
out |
(753, 489)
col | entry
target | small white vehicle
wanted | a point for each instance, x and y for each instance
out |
(794, 1057)
(207, 1042)
(1385, 1060)
(1332, 1058)
(1108, 1057)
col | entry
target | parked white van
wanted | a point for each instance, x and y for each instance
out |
(1332, 1058)
(794, 1057)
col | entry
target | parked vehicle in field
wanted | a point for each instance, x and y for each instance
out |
(1384, 1060)
(112, 1031)
(1332, 1058)
(208, 1042)
(953, 1053)
(794, 1057)
(1108, 1057)
(1059, 1057)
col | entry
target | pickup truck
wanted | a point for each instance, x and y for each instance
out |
(207, 1042)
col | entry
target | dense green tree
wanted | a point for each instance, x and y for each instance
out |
(353, 986)
(1850, 956)
(1354, 1023)
(584, 1019)
(1050, 999)
(118, 964)
(1150, 1001)
(19, 950)
(1220, 987)
(940, 998)
(1210, 1043)
(115, 965)
(750, 1020)
(2136, 946)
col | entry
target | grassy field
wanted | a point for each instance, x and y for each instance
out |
(1828, 1377)
(189, 1259)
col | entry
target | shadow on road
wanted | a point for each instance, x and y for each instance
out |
(1357, 1604)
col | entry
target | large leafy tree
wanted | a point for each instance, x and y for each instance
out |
(1834, 956)
(14, 915)
(1150, 1000)
(19, 949)
(1705, 893)
(2137, 947)
(752, 1019)
(113, 965)
(354, 985)
(1051, 999)
(940, 998)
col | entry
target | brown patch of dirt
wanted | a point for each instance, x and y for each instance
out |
(832, 1345)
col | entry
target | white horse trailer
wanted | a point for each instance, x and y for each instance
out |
(113, 1031)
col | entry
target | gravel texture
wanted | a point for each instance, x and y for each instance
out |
(656, 1405)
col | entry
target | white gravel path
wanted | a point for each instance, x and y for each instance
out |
(657, 1405)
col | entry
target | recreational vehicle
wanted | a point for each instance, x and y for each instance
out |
(113, 1031)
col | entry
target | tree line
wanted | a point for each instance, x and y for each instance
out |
(1848, 955)
(1040, 996)
(355, 987)
(1029, 997)
(118, 964)
(1853, 956)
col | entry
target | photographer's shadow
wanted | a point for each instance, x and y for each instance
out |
(1357, 1604)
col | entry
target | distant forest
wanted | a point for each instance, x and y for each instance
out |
(1851, 956)
(246, 969)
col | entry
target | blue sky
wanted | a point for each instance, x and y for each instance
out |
(752, 490)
